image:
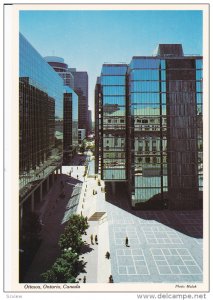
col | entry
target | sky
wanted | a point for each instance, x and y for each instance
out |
(86, 39)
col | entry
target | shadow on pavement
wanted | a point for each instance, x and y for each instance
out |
(186, 222)
(81, 267)
(86, 248)
(59, 206)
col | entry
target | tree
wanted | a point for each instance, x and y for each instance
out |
(70, 239)
(72, 236)
(65, 269)
(79, 222)
(67, 266)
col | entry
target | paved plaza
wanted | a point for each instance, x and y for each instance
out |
(163, 246)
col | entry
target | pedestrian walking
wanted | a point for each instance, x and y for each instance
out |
(91, 238)
(127, 242)
(107, 255)
(84, 279)
(111, 279)
(96, 239)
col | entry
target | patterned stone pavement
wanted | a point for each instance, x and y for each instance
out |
(164, 246)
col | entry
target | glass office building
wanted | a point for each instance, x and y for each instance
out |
(113, 82)
(70, 110)
(70, 122)
(58, 64)
(148, 159)
(40, 115)
(81, 89)
(149, 121)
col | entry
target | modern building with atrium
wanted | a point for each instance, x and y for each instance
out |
(149, 128)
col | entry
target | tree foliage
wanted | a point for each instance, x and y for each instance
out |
(72, 236)
(67, 266)
(65, 269)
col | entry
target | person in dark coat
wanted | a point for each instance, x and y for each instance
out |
(91, 238)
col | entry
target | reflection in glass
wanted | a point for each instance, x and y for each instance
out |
(40, 117)
(114, 121)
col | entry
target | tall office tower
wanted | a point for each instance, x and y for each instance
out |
(162, 121)
(98, 126)
(81, 88)
(89, 121)
(58, 64)
(40, 119)
(70, 124)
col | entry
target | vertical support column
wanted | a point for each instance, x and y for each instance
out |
(48, 183)
(21, 215)
(53, 177)
(21, 212)
(113, 187)
(32, 202)
(41, 192)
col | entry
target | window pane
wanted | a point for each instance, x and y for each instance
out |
(116, 100)
(145, 63)
(113, 80)
(114, 70)
(144, 86)
(114, 90)
(145, 98)
(144, 75)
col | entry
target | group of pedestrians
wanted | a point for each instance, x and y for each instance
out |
(96, 239)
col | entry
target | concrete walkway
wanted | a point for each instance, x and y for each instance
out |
(98, 268)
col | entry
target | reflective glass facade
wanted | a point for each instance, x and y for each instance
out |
(113, 90)
(57, 63)
(81, 89)
(199, 101)
(41, 75)
(70, 107)
(70, 119)
(149, 126)
(40, 115)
